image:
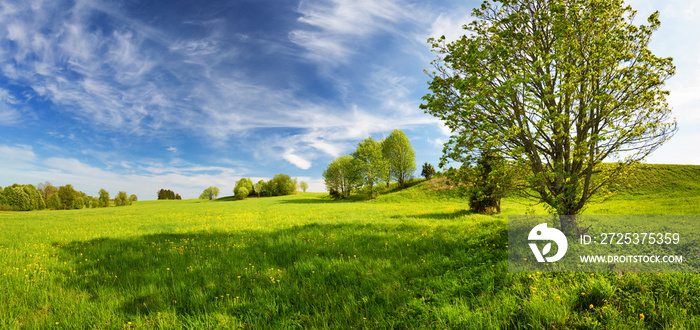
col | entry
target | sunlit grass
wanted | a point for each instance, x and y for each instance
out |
(410, 259)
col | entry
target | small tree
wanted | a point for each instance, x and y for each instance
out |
(133, 198)
(400, 157)
(122, 199)
(303, 185)
(428, 170)
(342, 176)
(243, 188)
(372, 166)
(103, 198)
(210, 193)
(281, 185)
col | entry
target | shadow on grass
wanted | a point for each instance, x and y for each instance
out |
(439, 216)
(313, 275)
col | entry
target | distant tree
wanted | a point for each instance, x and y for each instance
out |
(400, 156)
(281, 185)
(243, 188)
(69, 198)
(133, 198)
(46, 189)
(303, 185)
(54, 202)
(210, 193)
(372, 165)
(167, 194)
(20, 198)
(122, 199)
(262, 189)
(103, 198)
(178, 197)
(342, 176)
(428, 170)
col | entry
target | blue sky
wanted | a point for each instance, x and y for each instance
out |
(143, 95)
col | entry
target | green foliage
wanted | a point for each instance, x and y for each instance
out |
(20, 198)
(70, 198)
(490, 182)
(122, 199)
(134, 198)
(243, 188)
(46, 189)
(411, 259)
(400, 156)
(371, 163)
(54, 202)
(168, 194)
(557, 100)
(282, 185)
(342, 176)
(304, 186)
(428, 170)
(210, 193)
(262, 188)
(103, 199)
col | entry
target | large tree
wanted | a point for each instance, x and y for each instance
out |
(400, 156)
(556, 86)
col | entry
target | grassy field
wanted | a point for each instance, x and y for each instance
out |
(412, 258)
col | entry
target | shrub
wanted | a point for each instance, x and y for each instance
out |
(133, 198)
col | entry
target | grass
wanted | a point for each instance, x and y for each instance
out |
(412, 258)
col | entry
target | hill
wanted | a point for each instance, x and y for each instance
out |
(412, 258)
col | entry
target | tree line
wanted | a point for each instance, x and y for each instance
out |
(279, 185)
(28, 197)
(372, 162)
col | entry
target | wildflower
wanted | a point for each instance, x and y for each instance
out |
(641, 316)
(590, 306)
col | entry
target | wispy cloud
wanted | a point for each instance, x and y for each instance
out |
(335, 26)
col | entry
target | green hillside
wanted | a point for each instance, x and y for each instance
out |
(412, 258)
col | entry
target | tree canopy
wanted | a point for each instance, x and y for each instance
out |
(557, 87)
(400, 156)
(210, 193)
(371, 163)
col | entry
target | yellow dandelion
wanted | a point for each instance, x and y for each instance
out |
(641, 316)
(590, 306)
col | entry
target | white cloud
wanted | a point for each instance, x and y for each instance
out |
(17, 154)
(335, 25)
(297, 160)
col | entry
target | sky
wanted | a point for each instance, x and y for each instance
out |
(137, 95)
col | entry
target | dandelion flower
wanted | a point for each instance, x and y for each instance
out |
(590, 306)
(641, 316)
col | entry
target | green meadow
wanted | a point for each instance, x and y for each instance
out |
(412, 258)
